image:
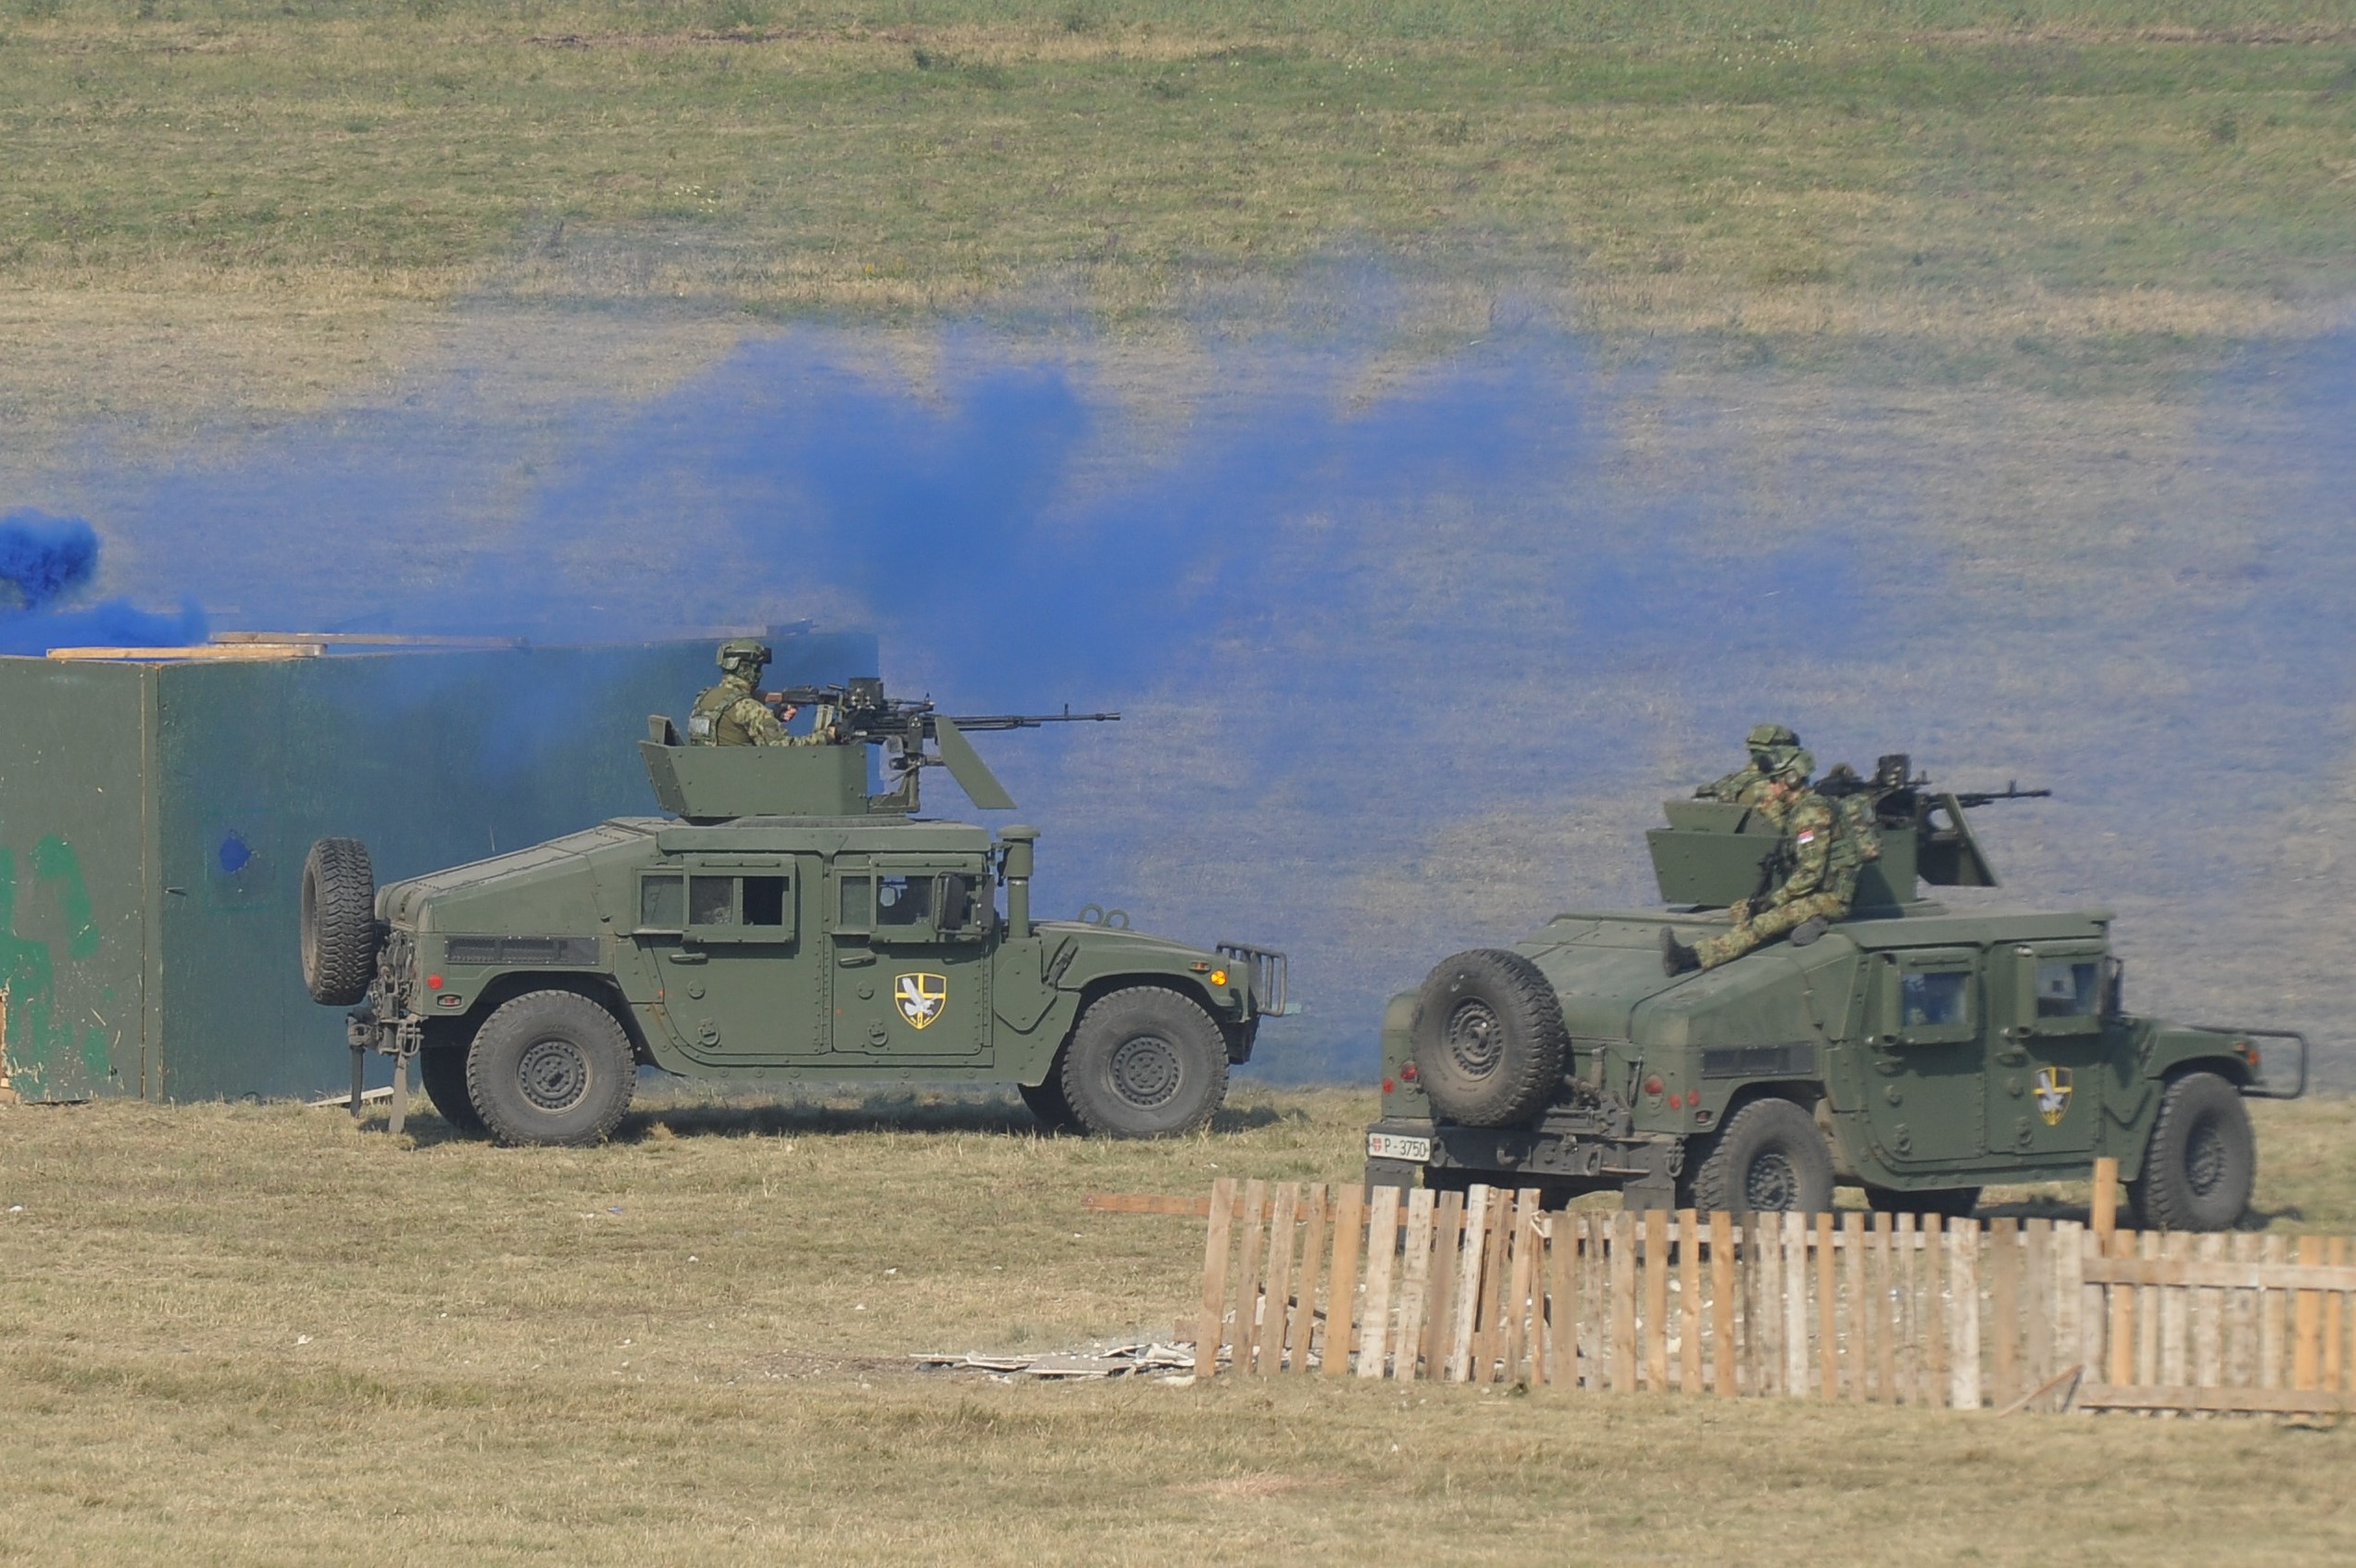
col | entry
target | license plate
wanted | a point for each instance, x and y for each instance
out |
(1391, 1146)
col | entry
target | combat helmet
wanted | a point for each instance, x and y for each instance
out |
(1763, 737)
(1791, 764)
(744, 653)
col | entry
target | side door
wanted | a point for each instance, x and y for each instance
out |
(1925, 1054)
(2045, 1085)
(912, 936)
(726, 937)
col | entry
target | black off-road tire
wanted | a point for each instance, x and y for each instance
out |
(2201, 1161)
(551, 1067)
(1488, 1038)
(1952, 1203)
(1768, 1158)
(1047, 1102)
(443, 1070)
(1145, 1063)
(338, 922)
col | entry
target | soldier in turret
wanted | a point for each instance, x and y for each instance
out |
(1818, 860)
(1769, 744)
(732, 713)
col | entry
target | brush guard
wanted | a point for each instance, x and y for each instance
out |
(1270, 975)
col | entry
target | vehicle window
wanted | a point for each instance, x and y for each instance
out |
(711, 900)
(1940, 997)
(857, 900)
(661, 902)
(764, 901)
(903, 901)
(2068, 988)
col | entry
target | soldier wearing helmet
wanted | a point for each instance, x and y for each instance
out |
(1769, 744)
(731, 713)
(1816, 869)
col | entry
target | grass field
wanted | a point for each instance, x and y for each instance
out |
(257, 1335)
(256, 206)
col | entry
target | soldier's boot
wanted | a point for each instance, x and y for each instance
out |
(1808, 930)
(1675, 957)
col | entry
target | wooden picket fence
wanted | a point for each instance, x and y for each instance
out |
(1488, 1286)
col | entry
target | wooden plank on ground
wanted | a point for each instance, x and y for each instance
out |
(1283, 1225)
(2230, 1401)
(1964, 1258)
(2004, 1310)
(1382, 1256)
(1415, 1272)
(1689, 1314)
(1828, 1379)
(1247, 1279)
(1656, 1299)
(1312, 1258)
(1210, 1324)
(1722, 1304)
(1622, 1257)
(1562, 1303)
(1341, 1291)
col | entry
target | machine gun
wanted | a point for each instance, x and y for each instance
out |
(1945, 852)
(858, 713)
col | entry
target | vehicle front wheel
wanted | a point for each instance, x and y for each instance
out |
(443, 1070)
(2201, 1161)
(1768, 1158)
(551, 1067)
(1145, 1062)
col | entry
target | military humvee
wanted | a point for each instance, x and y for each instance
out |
(780, 923)
(1917, 1050)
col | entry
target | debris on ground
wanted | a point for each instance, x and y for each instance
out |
(1171, 1363)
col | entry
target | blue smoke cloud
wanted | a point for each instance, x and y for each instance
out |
(45, 557)
(41, 556)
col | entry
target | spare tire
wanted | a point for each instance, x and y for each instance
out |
(1489, 1040)
(338, 922)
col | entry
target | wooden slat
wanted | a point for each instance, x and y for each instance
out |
(1689, 1310)
(1595, 1292)
(2004, 1310)
(1341, 1292)
(1934, 1329)
(2239, 1402)
(2208, 1320)
(2121, 1298)
(1489, 1329)
(1621, 1256)
(1860, 1344)
(1210, 1324)
(1794, 1244)
(2335, 1362)
(2105, 1218)
(1722, 1304)
(1524, 1282)
(2038, 1300)
(1415, 1272)
(2148, 1317)
(1828, 1356)
(1465, 1313)
(1764, 1302)
(1562, 1301)
(2221, 1275)
(2272, 1311)
(1908, 1302)
(1439, 1294)
(2307, 1323)
(1963, 1259)
(1374, 1318)
(2074, 1251)
(2175, 1319)
(1881, 1282)
(1312, 1256)
(1656, 1299)
(2241, 1321)
(1283, 1228)
(1247, 1278)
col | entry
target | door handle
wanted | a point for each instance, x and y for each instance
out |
(687, 957)
(853, 960)
(2012, 1056)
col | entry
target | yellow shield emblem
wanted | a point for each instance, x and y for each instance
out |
(920, 998)
(2053, 1094)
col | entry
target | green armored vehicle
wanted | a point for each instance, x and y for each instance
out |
(782, 923)
(1920, 1051)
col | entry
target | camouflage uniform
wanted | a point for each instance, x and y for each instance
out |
(1821, 859)
(731, 713)
(1770, 744)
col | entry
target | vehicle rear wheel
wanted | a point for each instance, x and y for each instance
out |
(1488, 1038)
(1047, 1102)
(338, 922)
(443, 1070)
(551, 1067)
(1145, 1063)
(1768, 1158)
(2201, 1161)
(1951, 1203)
